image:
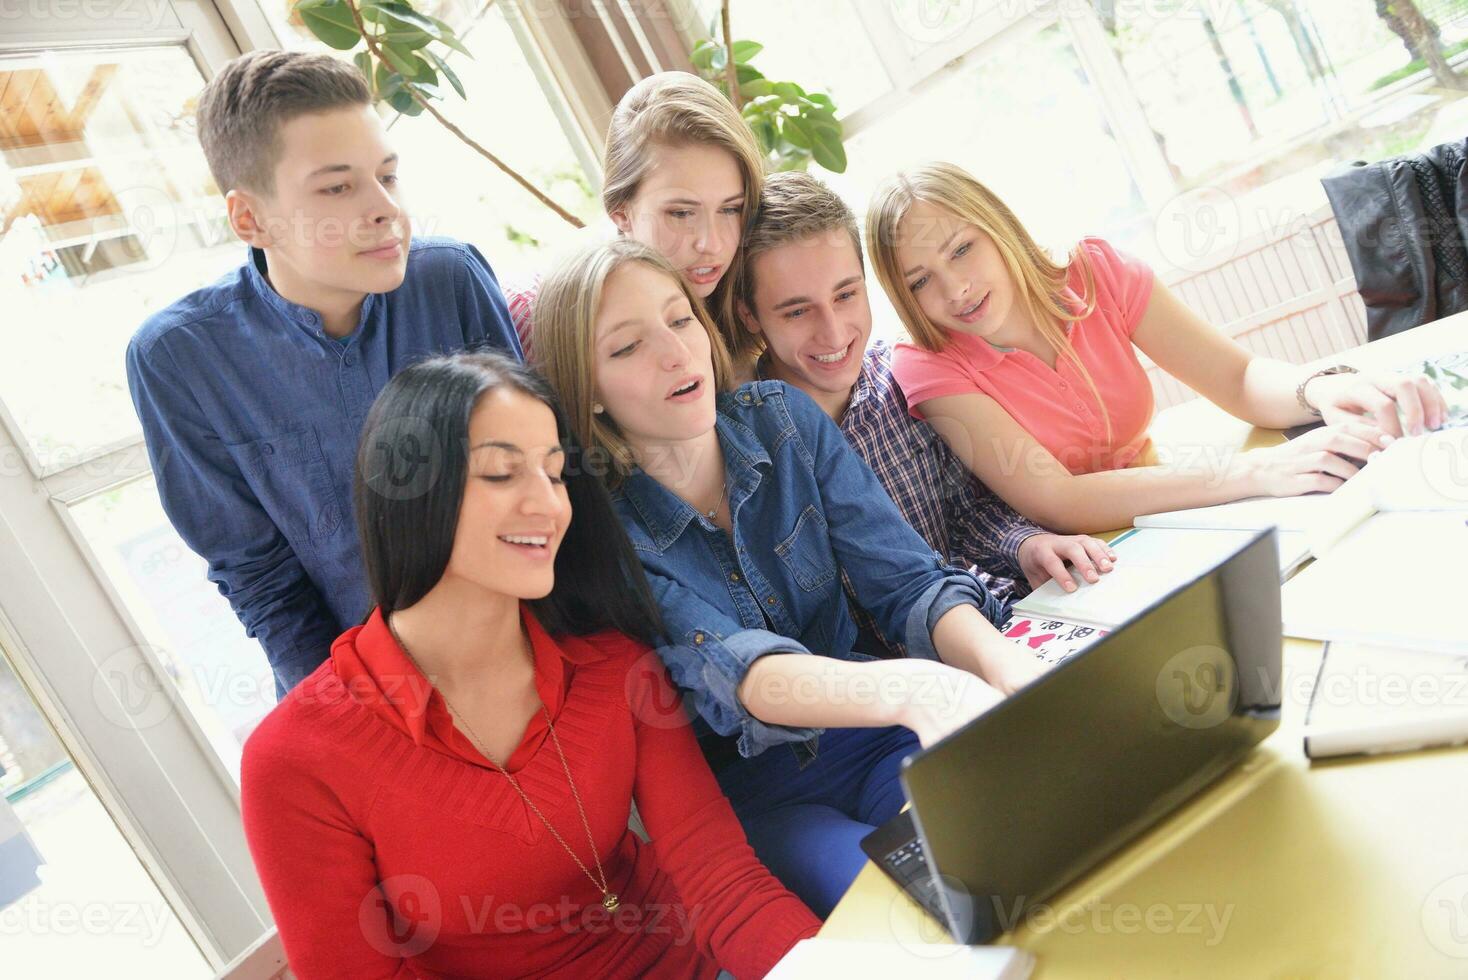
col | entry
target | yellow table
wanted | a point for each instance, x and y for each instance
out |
(1353, 868)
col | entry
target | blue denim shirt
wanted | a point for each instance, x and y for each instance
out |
(804, 506)
(252, 413)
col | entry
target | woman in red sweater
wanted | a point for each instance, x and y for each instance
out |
(448, 794)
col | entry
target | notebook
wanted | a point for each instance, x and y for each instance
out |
(1399, 579)
(1376, 699)
(833, 958)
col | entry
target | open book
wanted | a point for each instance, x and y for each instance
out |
(1372, 699)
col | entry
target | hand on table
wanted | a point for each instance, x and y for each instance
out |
(1400, 404)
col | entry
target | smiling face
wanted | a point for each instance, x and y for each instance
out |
(515, 509)
(689, 207)
(653, 364)
(335, 224)
(811, 307)
(955, 273)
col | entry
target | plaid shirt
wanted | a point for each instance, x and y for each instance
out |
(960, 518)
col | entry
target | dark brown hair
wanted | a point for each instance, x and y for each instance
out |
(242, 109)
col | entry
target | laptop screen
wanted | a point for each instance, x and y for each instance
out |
(1037, 790)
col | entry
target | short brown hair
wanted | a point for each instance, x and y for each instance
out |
(243, 107)
(793, 207)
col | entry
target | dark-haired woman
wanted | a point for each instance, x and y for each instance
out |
(448, 794)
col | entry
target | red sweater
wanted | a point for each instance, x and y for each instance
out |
(389, 847)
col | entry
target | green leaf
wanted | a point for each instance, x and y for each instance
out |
(747, 73)
(789, 91)
(405, 103)
(388, 82)
(829, 151)
(443, 66)
(794, 130)
(331, 22)
(363, 61)
(755, 88)
(702, 55)
(403, 60)
(822, 99)
(744, 50)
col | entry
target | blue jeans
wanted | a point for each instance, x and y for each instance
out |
(806, 825)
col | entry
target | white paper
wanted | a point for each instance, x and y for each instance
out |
(840, 959)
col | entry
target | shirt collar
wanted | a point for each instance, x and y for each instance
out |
(256, 274)
(663, 512)
(378, 673)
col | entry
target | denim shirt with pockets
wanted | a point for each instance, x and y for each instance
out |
(803, 505)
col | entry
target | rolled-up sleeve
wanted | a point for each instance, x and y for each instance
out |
(903, 583)
(707, 653)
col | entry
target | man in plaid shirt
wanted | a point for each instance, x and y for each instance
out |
(804, 295)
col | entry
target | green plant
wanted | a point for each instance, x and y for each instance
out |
(399, 64)
(792, 125)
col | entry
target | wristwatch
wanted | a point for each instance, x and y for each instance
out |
(1323, 372)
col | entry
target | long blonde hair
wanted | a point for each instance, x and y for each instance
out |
(565, 341)
(675, 109)
(1039, 280)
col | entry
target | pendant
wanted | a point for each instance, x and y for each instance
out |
(610, 902)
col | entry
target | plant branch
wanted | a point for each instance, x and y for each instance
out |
(731, 70)
(371, 40)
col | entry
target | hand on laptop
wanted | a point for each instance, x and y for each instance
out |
(1044, 556)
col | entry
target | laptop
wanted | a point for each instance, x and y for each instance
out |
(1036, 791)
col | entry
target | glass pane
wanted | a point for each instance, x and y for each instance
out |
(451, 190)
(222, 674)
(821, 45)
(107, 213)
(1269, 95)
(74, 899)
(1069, 179)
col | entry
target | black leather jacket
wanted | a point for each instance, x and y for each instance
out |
(1405, 224)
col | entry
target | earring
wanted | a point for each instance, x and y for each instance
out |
(596, 408)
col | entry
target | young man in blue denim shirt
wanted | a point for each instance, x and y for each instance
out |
(252, 391)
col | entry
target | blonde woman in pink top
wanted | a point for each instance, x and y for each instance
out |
(1029, 368)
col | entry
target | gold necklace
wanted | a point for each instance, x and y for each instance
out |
(609, 899)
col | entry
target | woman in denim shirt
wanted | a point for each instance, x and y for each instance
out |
(743, 507)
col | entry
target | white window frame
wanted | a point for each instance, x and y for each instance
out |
(64, 627)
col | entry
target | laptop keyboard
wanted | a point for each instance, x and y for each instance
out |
(907, 865)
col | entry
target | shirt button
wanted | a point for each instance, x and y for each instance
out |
(733, 576)
(350, 359)
(697, 637)
(770, 601)
(268, 449)
(1064, 385)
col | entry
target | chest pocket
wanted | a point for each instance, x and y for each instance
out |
(807, 551)
(293, 482)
